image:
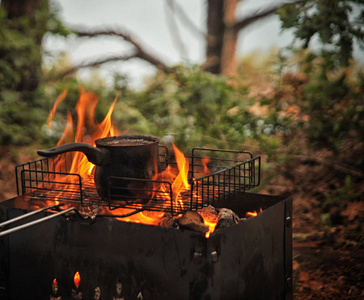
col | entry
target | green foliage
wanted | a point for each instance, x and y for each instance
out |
(341, 195)
(343, 109)
(21, 103)
(337, 24)
(18, 120)
(333, 102)
(192, 108)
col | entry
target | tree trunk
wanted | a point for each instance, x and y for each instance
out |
(215, 35)
(17, 9)
(221, 37)
(228, 62)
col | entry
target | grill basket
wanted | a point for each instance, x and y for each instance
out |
(230, 172)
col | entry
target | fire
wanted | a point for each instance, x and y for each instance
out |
(54, 287)
(87, 131)
(60, 98)
(180, 183)
(211, 224)
(77, 279)
(178, 177)
(150, 218)
(204, 162)
(253, 213)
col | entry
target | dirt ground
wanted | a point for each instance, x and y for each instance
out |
(328, 261)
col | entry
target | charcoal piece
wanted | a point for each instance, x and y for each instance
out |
(209, 212)
(168, 221)
(193, 221)
(226, 218)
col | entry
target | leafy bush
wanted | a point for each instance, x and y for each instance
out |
(193, 108)
(329, 103)
(323, 108)
(21, 103)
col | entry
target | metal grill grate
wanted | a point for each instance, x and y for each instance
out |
(229, 172)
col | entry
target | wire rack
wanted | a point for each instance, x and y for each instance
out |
(213, 175)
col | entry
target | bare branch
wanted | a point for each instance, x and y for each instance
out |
(140, 52)
(91, 63)
(261, 13)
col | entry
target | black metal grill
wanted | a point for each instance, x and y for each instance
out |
(230, 172)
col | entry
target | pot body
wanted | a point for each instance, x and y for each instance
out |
(124, 164)
(131, 157)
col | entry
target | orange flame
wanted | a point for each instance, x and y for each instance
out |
(178, 178)
(77, 279)
(204, 162)
(67, 135)
(253, 213)
(54, 282)
(151, 219)
(87, 131)
(180, 183)
(211, 224)
(60, 98)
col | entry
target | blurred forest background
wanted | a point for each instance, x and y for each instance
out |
(301, 110)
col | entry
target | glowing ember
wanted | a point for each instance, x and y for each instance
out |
(77, 279)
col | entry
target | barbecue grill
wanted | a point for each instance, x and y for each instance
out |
(41, 253)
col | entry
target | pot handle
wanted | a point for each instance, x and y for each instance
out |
(98, 156)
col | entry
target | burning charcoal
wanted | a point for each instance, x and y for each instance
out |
(54, 295)
(76, 293)
(208, 212)
(168, 221)
(226, 218)
(193, 221)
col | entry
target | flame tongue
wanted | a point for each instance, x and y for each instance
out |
(180, 183)
(60, 98)
(77, 279)
(87, 131)
(253, 213)
(204, 162)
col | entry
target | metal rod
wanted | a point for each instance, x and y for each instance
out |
(35, 222)
(27, 215)
(122, 216)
